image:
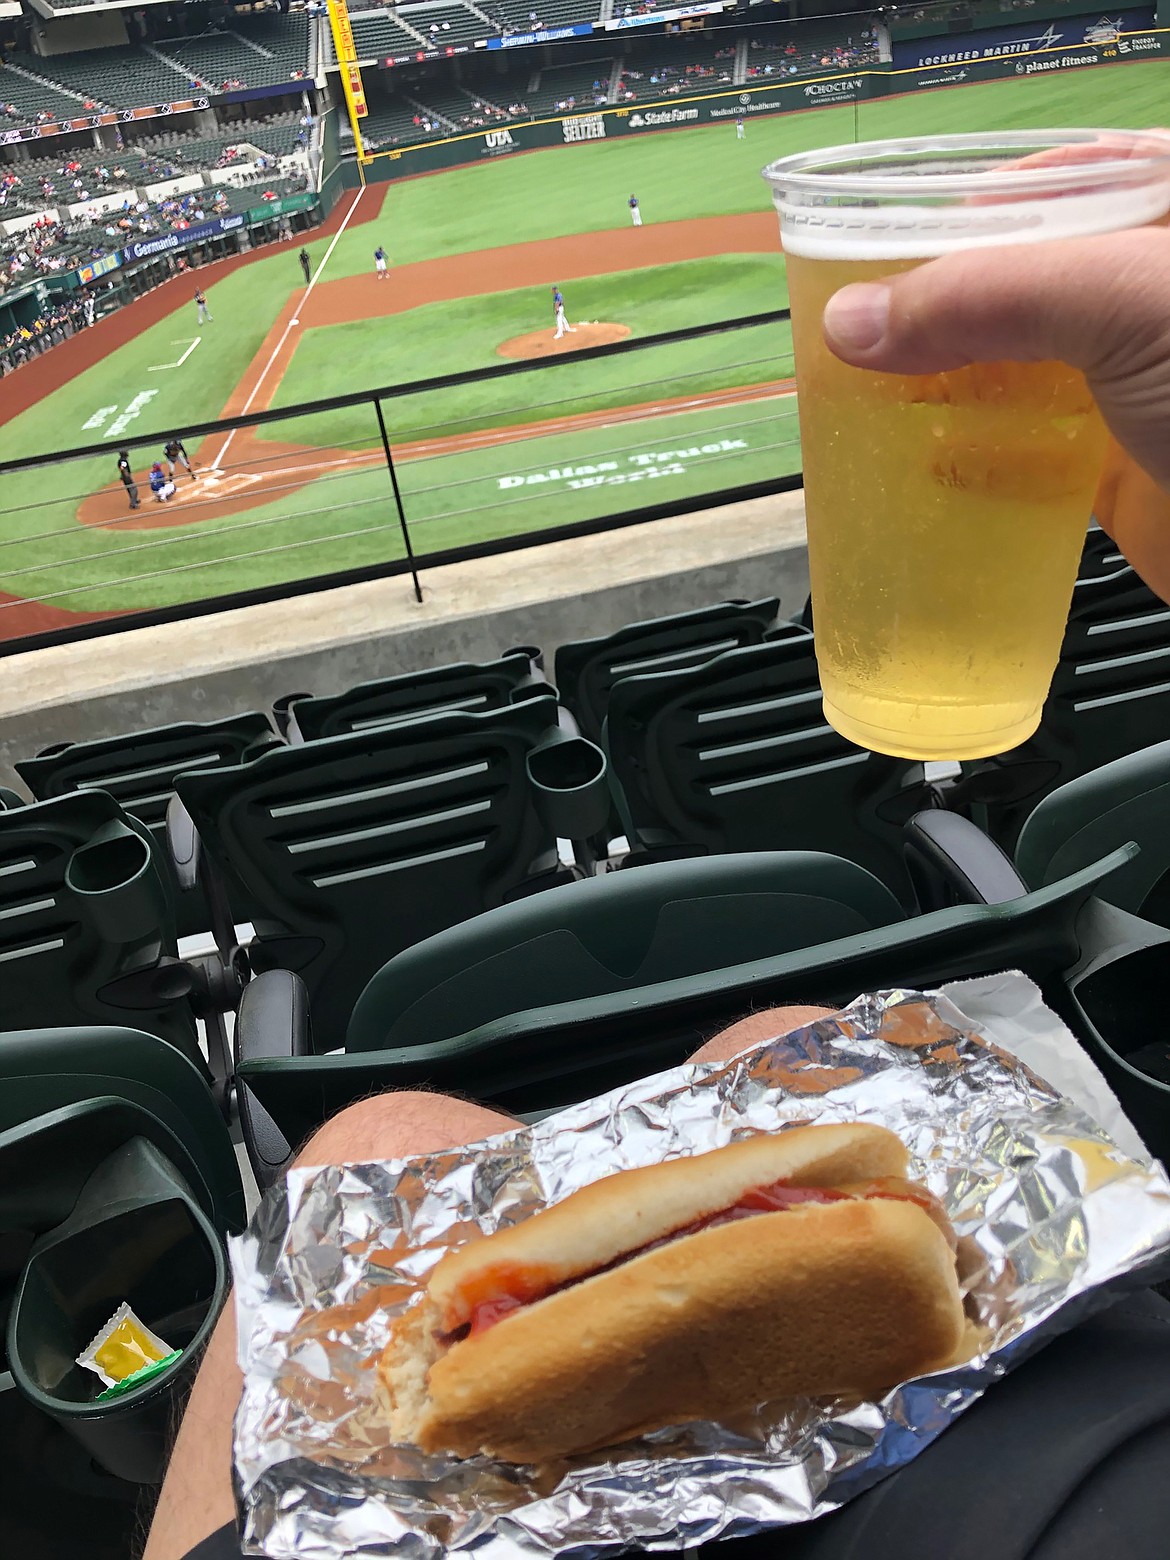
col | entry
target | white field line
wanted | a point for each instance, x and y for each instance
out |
(227, 443)
(156, 368)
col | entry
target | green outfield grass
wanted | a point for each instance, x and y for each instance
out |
(410, 347)
(576, 189)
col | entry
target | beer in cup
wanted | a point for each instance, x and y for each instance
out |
(946, 512)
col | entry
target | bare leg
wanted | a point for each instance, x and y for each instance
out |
(757, 1028)
(196, 1497)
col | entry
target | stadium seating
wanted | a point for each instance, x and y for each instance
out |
(376, 35)
(139, 769)
(353, 847)
(521, 16)
(1110, 696)
(414, 695)
(125, 77)
(587, 669)
(445, 22)
(87, 932)
(31, 98)
(215, 58)
(460, 108)
(678, 65)
(117, 1182)
(734, 754)
(580, 86)
(1128, 799)
(284, 35)
(390, 122)
(620, 996)
(810, 49)
(1116, 987)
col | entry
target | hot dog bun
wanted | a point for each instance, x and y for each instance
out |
(627, 1210)
(843, 1297)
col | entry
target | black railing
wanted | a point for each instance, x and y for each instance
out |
(462, 477)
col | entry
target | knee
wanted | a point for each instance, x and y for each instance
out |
(757, 1029)
(398, 1124)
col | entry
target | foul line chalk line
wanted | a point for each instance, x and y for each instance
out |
(155, 368)
(217, 463)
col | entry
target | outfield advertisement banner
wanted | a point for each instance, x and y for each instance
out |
(122, 116)
(145, 248)
(1074, 32)
(962, 59)
(545, 35)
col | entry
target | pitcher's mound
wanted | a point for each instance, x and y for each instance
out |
(543, 343)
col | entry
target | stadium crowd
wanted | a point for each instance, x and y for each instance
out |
(47, 330)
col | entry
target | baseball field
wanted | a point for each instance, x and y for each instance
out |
(474, 253)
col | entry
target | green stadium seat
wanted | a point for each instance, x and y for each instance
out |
(1112, 994)
(354, 847)
(1128, 799)
(86, 923)
(538, 1004)
(587, 669)
(1110, 696)
(139, 769)
(464, 685)
(118, 1180)
(45, 1070)
(734, 754)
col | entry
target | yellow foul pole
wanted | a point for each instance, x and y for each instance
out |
(351, 76)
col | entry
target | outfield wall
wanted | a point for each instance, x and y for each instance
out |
(919, 64)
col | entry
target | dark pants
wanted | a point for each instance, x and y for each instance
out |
(307, 269)
(132, 490)
(1065, 1460)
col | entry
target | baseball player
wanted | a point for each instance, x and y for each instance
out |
(380, 263)
(177, 455)
(204, 313)
(559, 316)
(739, 128)
(127, 477)
(306, 265)
(635, 211)
(159, 486)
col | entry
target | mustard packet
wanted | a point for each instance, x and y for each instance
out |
(122, 1347)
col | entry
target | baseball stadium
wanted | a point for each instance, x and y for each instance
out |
(404, 536)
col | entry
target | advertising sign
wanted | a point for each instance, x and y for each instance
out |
(182, 238)
(1023, 38)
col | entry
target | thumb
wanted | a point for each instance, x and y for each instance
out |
(1100, 304)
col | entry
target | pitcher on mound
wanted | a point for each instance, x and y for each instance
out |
(562, 323)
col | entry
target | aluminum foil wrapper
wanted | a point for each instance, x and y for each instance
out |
(1053, 1218)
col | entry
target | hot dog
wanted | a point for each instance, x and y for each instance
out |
(789, 1264)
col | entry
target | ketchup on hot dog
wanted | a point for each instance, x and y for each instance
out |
(505, 1290)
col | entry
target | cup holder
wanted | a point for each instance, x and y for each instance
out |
(569, 778)
(151, 1246)
(114, 881)
(1121, 1002)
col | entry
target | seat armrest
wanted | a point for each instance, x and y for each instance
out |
(273, 1019)
(273, 1022)
(183, 845)
(950, 861)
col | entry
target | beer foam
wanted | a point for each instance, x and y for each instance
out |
(893, 232)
